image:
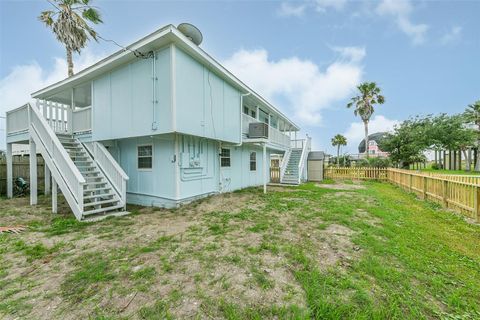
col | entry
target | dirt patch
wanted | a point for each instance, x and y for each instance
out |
(341, 186)
(335, 247)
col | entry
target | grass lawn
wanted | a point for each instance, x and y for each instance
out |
(327, 251)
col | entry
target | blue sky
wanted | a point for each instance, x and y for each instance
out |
(304, 56)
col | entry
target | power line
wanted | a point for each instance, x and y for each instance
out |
(137, 53)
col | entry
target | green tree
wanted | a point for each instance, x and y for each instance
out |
(472, 115)
(69, 22)
(338, 141)
(452, 133)
(407, 142)
(369, 95)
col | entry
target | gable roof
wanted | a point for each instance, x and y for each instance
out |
(161, 37)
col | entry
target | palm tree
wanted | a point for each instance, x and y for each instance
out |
(472, 115)
(68, 22)
(364, 102)
(339, 141)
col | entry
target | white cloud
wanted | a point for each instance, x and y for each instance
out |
(356, 132)
(288, 10)
(297, 86)
(452, 36)
(353, 54)
(323, 5)
(401, 10)
(16, 87)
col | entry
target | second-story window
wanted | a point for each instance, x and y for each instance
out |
(253, 114)
(225, 157)
(253, 161)
(245, 110)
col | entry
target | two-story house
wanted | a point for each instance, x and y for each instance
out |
(160, 123)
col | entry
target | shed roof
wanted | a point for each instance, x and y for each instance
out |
(316, 155)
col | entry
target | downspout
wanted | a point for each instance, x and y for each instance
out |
(154, 93)
(241, 120)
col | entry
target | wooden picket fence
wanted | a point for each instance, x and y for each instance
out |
(21, 168)
(459, 193)
(355, 173)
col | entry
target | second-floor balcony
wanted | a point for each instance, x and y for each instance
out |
(272, 135)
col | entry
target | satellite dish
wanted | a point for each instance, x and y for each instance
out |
(191, 32)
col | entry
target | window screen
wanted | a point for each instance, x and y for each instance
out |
(253, 161)
(225, 157)
(145, 157)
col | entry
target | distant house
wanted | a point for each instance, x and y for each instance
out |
(159, 124)
(373, 148)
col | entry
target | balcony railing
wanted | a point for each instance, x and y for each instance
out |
(275, 136)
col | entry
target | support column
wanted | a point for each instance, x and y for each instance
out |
(47, 179)
(33, 173)
(264, 168)
(9, 171)
(54, 196)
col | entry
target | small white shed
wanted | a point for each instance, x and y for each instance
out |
(315, 165)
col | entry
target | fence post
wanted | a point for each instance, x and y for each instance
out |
(424, 187)
(476, 204)
(445, 193)
(410, 176)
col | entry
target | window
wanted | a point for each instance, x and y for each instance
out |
(145, 157)
(225, 158)
(253, 161)
(253, 114)
(245, 110)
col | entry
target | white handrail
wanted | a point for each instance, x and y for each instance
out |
(112, 170)
(17, 120)
(284, 164)
(303, 159)
(64, 171)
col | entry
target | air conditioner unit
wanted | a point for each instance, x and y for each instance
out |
(258, 130)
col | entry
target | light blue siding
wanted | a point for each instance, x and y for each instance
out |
(160, 180)
(123, 99)
(196, 171)
(238, 175)
(206, 105)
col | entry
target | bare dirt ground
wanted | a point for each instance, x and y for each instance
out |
(223, 250)
(312, 251)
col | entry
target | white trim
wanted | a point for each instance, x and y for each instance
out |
(144, 145)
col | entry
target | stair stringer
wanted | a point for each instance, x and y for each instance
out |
(67, 193)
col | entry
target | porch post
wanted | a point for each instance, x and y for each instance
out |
(70, 115)
(33, 173)
(54, 196)
(264, 168)
(47, 179)
(9, 171)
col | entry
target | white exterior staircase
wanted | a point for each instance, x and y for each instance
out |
(291, 175)
(99, 195)
(90, 179)
(293, 169)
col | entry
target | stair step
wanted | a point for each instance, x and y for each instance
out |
(96, 189)
(99, 195)
(106, 209)
(95, 183)
(93, 178)
(96, 203)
